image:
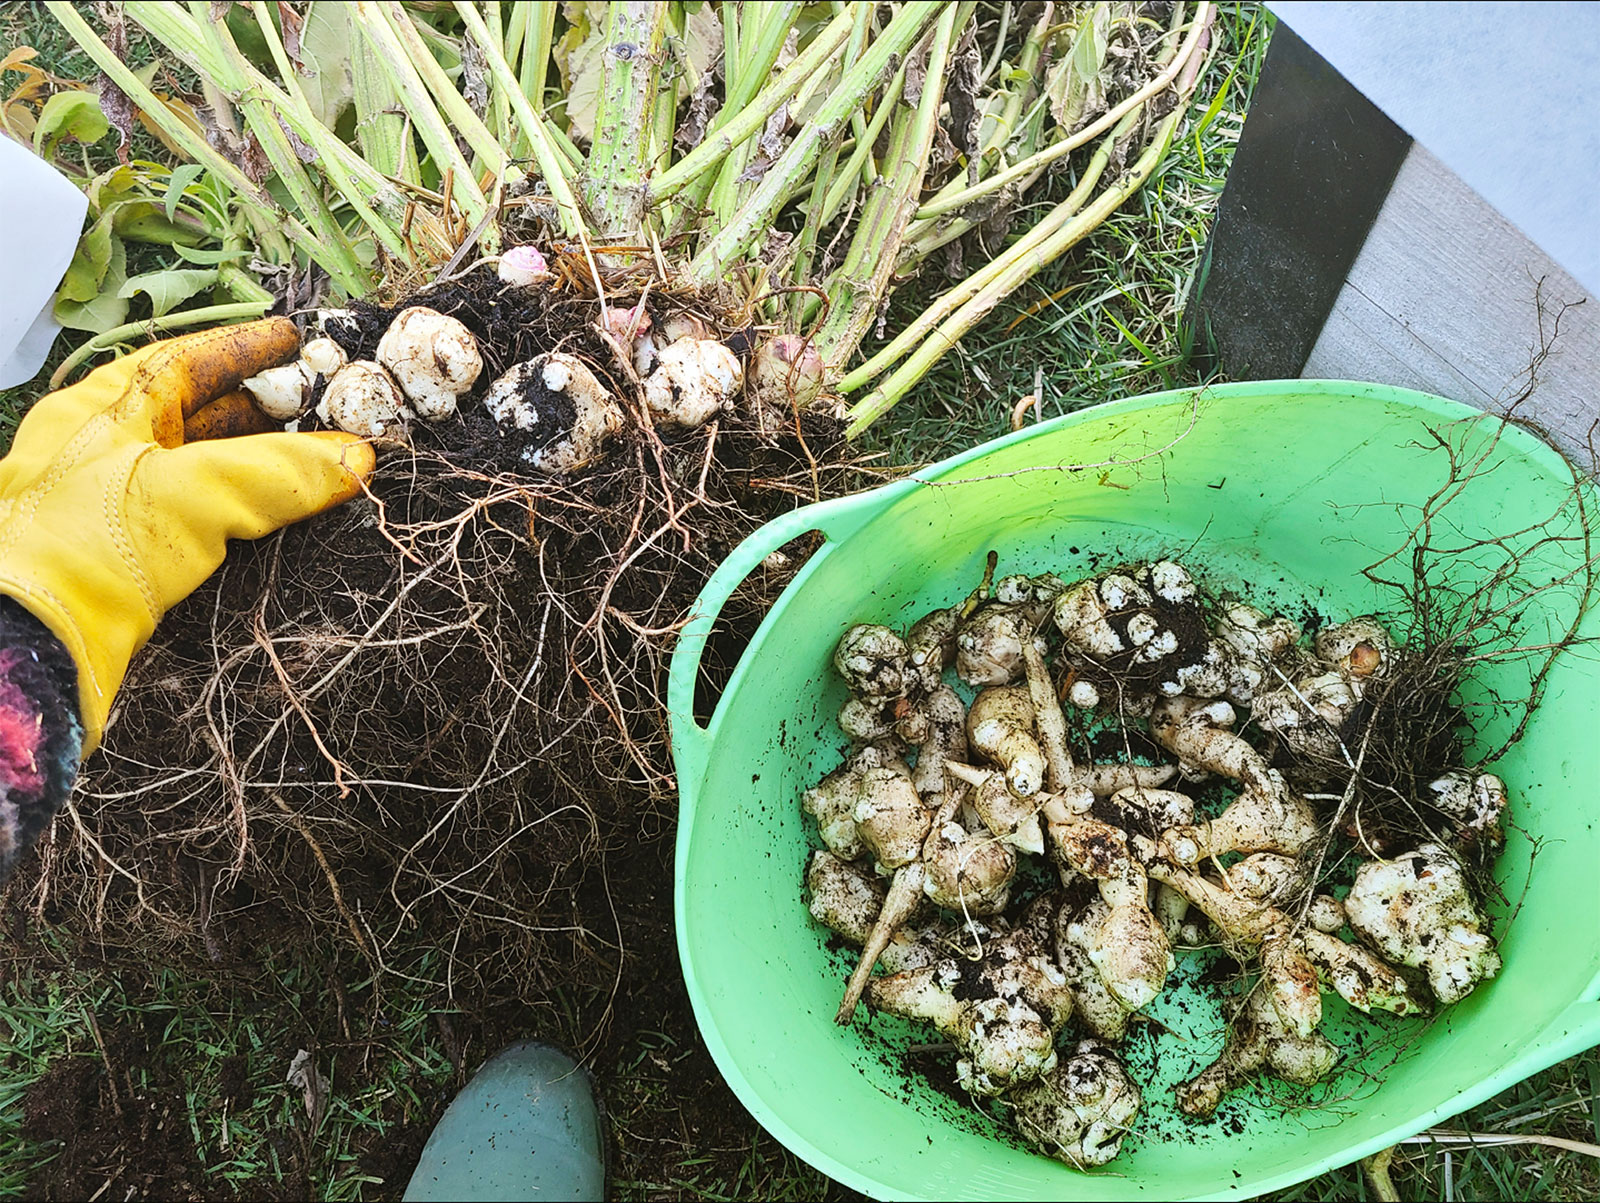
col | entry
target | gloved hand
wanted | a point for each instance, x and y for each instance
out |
(118, 498)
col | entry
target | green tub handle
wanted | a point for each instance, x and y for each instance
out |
(837, 519)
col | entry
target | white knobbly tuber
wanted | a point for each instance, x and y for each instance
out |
(323, 356)
(433, 358)
(1079, 1111)
(282, 393)
(558, 401)
(523, 266)
(696, 379)
(872, 660)
(1416, 911)
(362, 399)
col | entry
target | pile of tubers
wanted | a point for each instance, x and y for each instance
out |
(427, 363)
(927, 822)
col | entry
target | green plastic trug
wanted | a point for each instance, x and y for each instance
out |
(1282, 491)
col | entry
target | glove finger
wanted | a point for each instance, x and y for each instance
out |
(227, 417)
(256, 483)
(186, 374)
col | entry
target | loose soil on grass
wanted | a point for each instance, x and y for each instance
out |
(429, 720)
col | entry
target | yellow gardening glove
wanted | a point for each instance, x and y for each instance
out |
(117, 499)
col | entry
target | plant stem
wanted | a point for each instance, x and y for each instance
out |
(853, 172)
(858, 287)
(546, 153)
(859, 33)
(960, 199)
(536, 50)
(726, 134)
(619, 156)
(766, 27)
(754, 218)
(243, 311)
(915, 332)
(328, 246)
(425, 118)
(1018, 268)
(331, 160)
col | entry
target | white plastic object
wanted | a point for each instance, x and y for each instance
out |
(41, 215)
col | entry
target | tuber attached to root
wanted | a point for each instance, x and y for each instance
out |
(1416, 911)
(362, 399)
(433, 358)
(1257, 1040)
(694, 381)
(523, 267)
(1079, 1111)
(561, 405)
(786, 375)
(1002, 1010)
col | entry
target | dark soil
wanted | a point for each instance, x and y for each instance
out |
(430, 719)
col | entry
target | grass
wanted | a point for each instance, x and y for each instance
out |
(214, 1041)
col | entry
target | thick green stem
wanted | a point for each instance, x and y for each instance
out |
(1017, 269)
(613, 184)
(760, 42)
(212, 314)
(328, 247)
(859, 34)
(499, 107)
(793, 167)
(857, 289)
(916, 331)
(330, 160)
(726, 134)
(536, 51)
(383, 43)
(852, 175)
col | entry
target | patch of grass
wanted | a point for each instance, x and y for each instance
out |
(177, 1076)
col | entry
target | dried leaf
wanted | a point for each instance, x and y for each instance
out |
(768, 146)
(1076, 85)
(250, 158)
(292, 23)
(302, 151)
(474, 76)
(696, 114)
(961, 90)
(702, 48)
(114, 102)
(580, 54)
(916, 72)
(304, 1073)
